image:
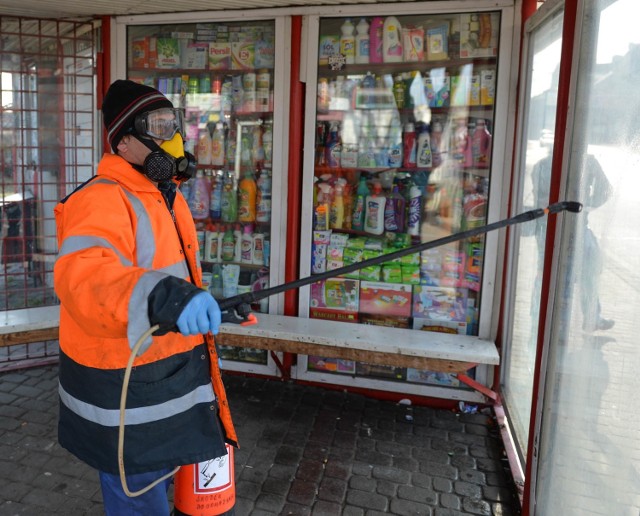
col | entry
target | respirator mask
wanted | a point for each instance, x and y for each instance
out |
(169, 159)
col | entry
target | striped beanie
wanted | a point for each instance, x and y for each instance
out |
(122, 102)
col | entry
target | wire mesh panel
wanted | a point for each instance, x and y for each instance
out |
(48, 137)
(49, 141)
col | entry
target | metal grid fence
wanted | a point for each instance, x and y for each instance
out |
(49, 142)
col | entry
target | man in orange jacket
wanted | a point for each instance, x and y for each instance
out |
(128, 261)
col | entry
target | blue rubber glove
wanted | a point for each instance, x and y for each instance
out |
(201, 315)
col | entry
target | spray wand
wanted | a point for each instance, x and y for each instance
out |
(237, 309)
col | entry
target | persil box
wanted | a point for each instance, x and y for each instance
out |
(385, 298)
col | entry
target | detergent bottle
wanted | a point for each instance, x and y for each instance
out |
(374, 211)
(375, 40)
(247, 193)
(394, 211)
(392, 40)
(348, 42)
(357, 218)
(362, 42)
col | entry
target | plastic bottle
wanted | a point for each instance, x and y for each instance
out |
(247, 193)
(322, 208)
(394, 211)
(481, 145)
(218, 146)
(211, 251)
(215, 200)
(415, 210)
(216, 281)
(436, 144)
(228, 246)
(410, 146)
(392, 40)
(461, 144)
(229, 203)
(399, 91)
(424, 157)
(333, 148)
(237, 242)
(246, 245)
(204, 147)
(258, 249)
(336, 212)
(374, 211)
(348, 42)
(267, 144)
(395, 147)
(362, 42)
(357, 219)
(263, 203)
(199, 197)
(375, 40)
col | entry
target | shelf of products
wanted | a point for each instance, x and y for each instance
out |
(403, 148)
(222, 75)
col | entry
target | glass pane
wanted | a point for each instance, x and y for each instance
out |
(589, 461)
(222, 76)
(404, 124)
(535, 169)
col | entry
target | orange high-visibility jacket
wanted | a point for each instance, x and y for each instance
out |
(126, 262)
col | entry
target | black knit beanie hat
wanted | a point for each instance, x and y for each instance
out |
(123, 101)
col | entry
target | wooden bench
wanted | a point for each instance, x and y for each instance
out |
(372, 344)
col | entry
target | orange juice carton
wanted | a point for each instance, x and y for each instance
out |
(219, 56)
(243, 55)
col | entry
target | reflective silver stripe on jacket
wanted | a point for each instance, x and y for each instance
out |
(80, 243)
(145, 243)
(140, 415)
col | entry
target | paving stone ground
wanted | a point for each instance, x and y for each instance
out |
(304, 451)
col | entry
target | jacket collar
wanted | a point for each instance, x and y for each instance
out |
(119, 169)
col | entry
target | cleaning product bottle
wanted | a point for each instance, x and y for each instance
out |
(247, 192)
(258, 248)
(436, 144)
(394, 211)
(357, 219)
(263, 202)
(410, 146)
(399, 90)
(362, 42)
(267, 144)
(336, 212)
(199, 197)
(333, 148)
(348, 42)
(392, 40)
(217, 146)
(246, 245)
(375, 40)
(216, 281)
(424, 159)
(395, 147)
(415, 210)
(229, 203)
(204, 147)
(228, 245)
(481, 145)
(374, 211)
(237, 243)
(211, 251)
(323, 205)
(215, 201)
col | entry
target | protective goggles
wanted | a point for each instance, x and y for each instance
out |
(161, 124)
